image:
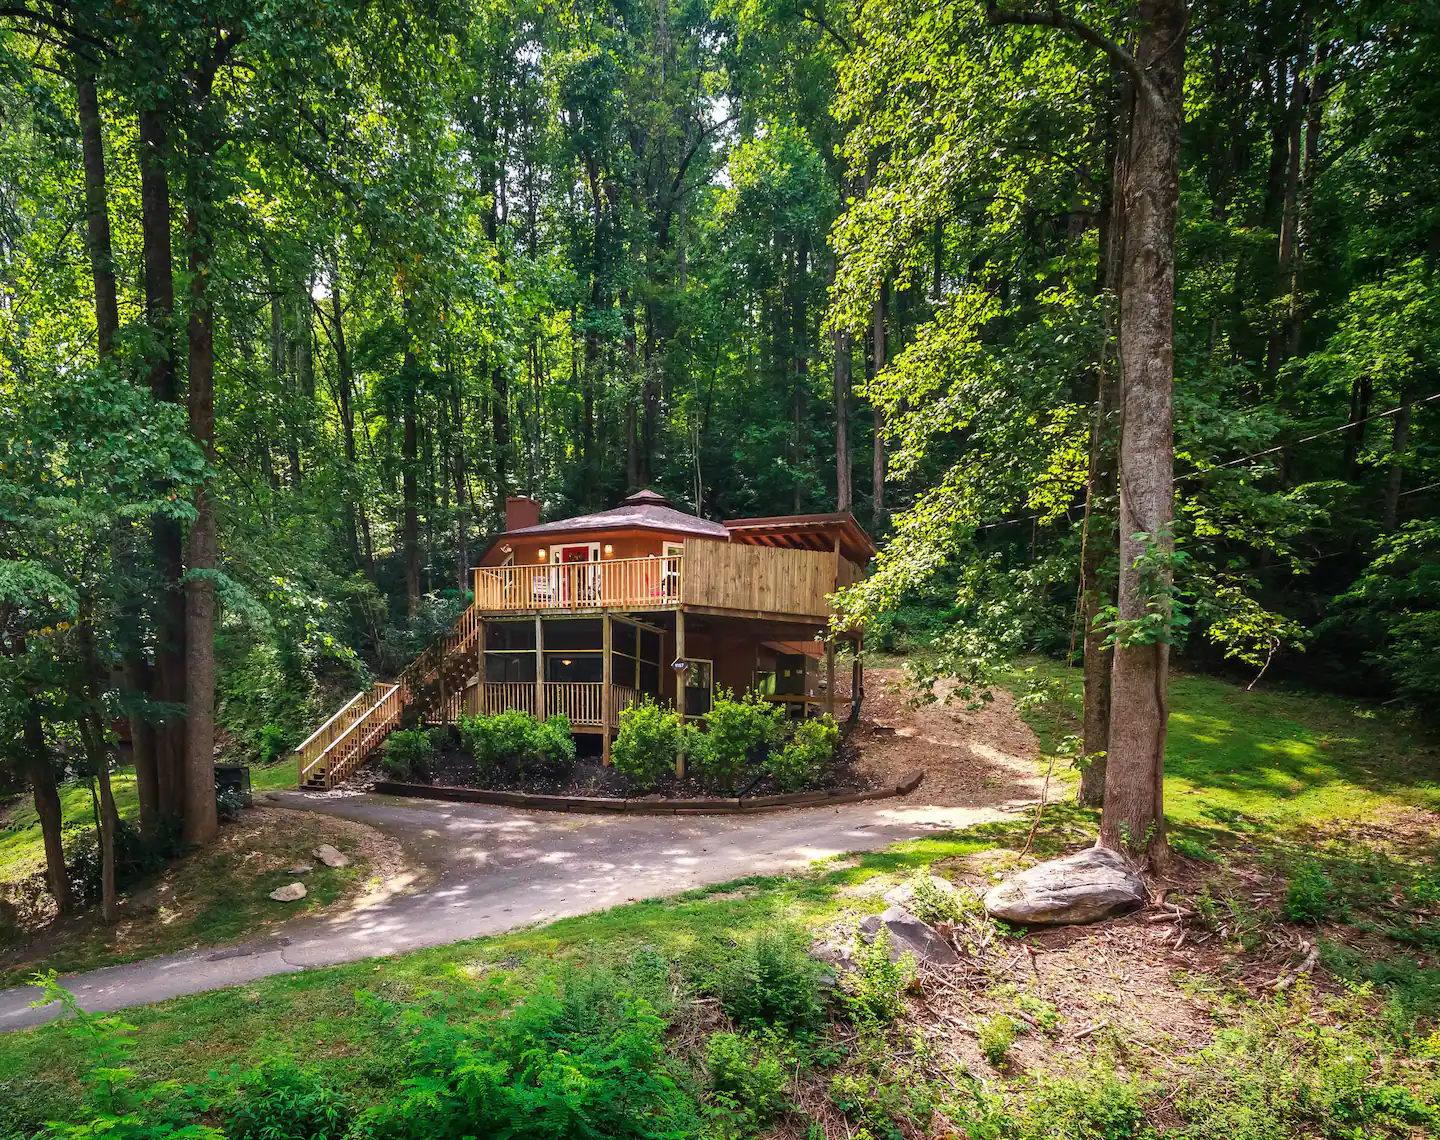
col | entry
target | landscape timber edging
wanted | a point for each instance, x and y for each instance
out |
(742, 805)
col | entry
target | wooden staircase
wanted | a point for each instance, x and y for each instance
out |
(432, 684)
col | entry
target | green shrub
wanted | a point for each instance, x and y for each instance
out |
(1310, 896)
(996, 1034)
(576, 1061)
(769, 980)
(647, 743)
(283, 1102)
(517, 740)
(874, 991)
(933, 905)
(802, 760)
(408, 754)
(884, 1100)
(273, 742)
(736, 738)
(751, 1073)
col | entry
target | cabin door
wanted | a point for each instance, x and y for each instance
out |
(579, 585)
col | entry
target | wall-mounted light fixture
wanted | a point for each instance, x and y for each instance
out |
(565, 661)
(609, 550)
(540, 555)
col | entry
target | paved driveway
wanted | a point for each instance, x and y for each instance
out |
(495, 869)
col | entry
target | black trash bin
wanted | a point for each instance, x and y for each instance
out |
(233, 778)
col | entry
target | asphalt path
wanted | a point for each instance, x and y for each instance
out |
(493, 869)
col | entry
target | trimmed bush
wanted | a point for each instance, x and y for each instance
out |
(408, 754)
(516, 740)
(647, 743)
(736, 738)
(800, 763)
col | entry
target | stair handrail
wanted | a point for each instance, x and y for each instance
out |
(389, 688)
(341, 711)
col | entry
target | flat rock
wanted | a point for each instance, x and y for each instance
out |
(290, 892)
(901, 895)
(330, 856)
(908, 933)
(1085, 887)
(300, 869)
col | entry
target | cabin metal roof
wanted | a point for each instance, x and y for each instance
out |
(644, 510)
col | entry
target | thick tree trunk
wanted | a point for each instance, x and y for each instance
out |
(462, 495)
(201, 823)
(877, 470)
(1134, 811)
(41, 775)
(168, 538)
(97, 209)
(1361, 392)
(1100, 499)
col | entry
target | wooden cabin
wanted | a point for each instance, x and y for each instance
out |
(587, 615)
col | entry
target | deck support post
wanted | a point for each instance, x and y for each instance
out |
(680, 689)
(607, 695)
(479, 664)
(830, 677)
(857, 680)
(539, 669)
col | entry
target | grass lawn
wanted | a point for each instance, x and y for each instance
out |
(1267, 758)
(22, 851)
(1306, 927)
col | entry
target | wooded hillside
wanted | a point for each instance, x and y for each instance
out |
(292, 296)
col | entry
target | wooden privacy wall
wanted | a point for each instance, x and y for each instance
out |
(758, 579)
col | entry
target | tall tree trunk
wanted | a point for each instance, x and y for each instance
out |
(1134, 802)
(877, 471)
(97, 208)
(462, 499)
(168, 538)
(135, 675)
(41, 774)
(345, 376)
(409, 458)
(1100, 500)
(844, 362)
(800, 355)
(201, 822)
(1399, 444)
(1361, 393)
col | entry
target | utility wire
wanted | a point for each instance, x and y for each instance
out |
(1258, 455)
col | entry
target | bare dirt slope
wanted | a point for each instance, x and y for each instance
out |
(971, 759)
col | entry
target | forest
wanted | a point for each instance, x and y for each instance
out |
(293, 296)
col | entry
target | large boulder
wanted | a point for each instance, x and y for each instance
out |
(1085, 887)
(330, 856)
(908, 933)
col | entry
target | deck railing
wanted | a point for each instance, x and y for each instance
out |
(582, 702)
(580, 585)
(334, 750)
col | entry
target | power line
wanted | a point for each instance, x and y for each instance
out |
(1306, 439)
(1255, 455)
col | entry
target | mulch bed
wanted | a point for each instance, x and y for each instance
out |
(453, 767)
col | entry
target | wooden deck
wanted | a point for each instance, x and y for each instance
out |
(716, 577)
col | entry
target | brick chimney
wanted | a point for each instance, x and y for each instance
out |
(521, 511)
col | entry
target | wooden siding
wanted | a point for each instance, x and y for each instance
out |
(757, 579)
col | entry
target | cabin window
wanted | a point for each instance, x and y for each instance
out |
(584, 668)
(510, 667)
(576, 633)
(509, 636)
